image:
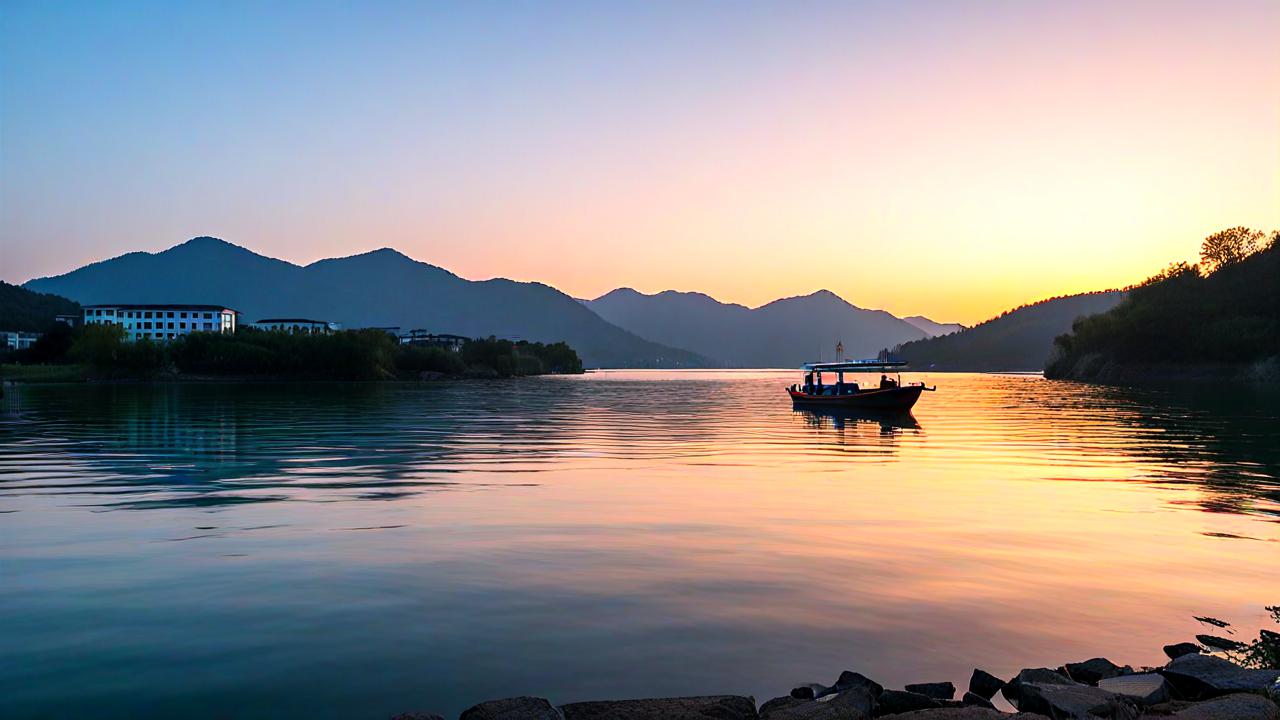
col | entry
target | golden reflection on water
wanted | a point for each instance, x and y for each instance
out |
(623, 534)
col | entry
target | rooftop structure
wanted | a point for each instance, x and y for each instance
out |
(297, 326)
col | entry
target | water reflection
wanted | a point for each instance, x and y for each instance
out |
(888, 422)
(361, 550)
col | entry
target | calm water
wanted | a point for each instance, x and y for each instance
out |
(358, 550)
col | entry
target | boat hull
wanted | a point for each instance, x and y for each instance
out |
(885, 399)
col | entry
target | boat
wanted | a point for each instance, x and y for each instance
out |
(885, 395)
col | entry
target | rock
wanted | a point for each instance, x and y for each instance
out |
(1074, 701)
(1177, 650)
(809, 691)
(935, 690)
(719, 707)
(1241, 706)
(855, 703)
(1044, 676)
(1143, 688)
(1199, 677)
(849, 679)
(984, 684)
(893, 702)
(1091, 671)
(516, 708)
(976, 700)
(1220, 643)
(969, 713)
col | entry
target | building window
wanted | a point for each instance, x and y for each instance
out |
(182, 315)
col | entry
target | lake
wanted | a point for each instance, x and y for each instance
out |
(358, 550)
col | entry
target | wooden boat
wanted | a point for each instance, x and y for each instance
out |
(888, 395)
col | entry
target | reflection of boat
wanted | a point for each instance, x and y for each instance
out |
(888, 420)
(888, 395)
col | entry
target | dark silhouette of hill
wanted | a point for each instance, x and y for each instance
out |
(1220, 322)
(933, 328)
(375, 289)
(22, 309)
(783, 333)
(1019, 339)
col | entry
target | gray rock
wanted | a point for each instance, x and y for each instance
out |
(969, 713)
(853, 704)
(976, 700)
(1177, 650)
(935, 690)
(893, 702)
(809, 691)
(1043, 676)
(1143, 688)
(1232, 707)
(516, 708)
(984, 684)
(1074, 701)
(849, 680)
(1091, 671)
(1199, 677)
(719, 707)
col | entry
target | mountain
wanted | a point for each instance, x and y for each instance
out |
(1019, 339)
(783, 333)
(1184, 324)
(931, 328)
(22, 309)
(379, 288)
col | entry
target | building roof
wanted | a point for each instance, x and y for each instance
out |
(153, 306)
(291, 320)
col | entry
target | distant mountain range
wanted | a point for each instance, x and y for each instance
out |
(783, 333)
(931, 328)
(379, 288)
(1019, 339)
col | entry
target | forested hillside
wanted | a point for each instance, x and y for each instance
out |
(22, 309)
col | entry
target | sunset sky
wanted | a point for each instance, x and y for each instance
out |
(950, 159)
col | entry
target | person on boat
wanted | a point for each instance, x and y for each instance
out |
(886, 383)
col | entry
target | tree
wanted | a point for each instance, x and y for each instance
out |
(1230, 246)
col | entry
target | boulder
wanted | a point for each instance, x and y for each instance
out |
(852, 704)
(1043, 676)
(516, 708)
(1074, 701)
(984, 684)
(1241, 706)
(1143, 688)
(809, 691)
(1199, 677)
(1091, 671)
(849, 680)
(1177, 650)
(975, 700)
(719, 707)
(893, 702)
(935, 690)
(969, 713)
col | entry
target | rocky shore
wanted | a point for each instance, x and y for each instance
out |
(1191, 686)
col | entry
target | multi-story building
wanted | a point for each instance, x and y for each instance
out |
(17, 339)
(160, 323)
(296, 326)
(422, 338)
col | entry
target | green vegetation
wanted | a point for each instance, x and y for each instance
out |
(27, 311)
(1019, 339)
(103, 352)
(1224, 311)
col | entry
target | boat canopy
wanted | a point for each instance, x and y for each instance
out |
(854, 366)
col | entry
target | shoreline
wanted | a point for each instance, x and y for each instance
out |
(1193, 685)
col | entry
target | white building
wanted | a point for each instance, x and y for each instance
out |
(296, 326)
(160, 323)
(17, 339)
(422, 338)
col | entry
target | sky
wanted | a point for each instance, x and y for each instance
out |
(951, 159)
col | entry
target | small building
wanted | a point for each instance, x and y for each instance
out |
(71, 320)
(297, 326)
(422, 338)
(160, 323)
(17, 339)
